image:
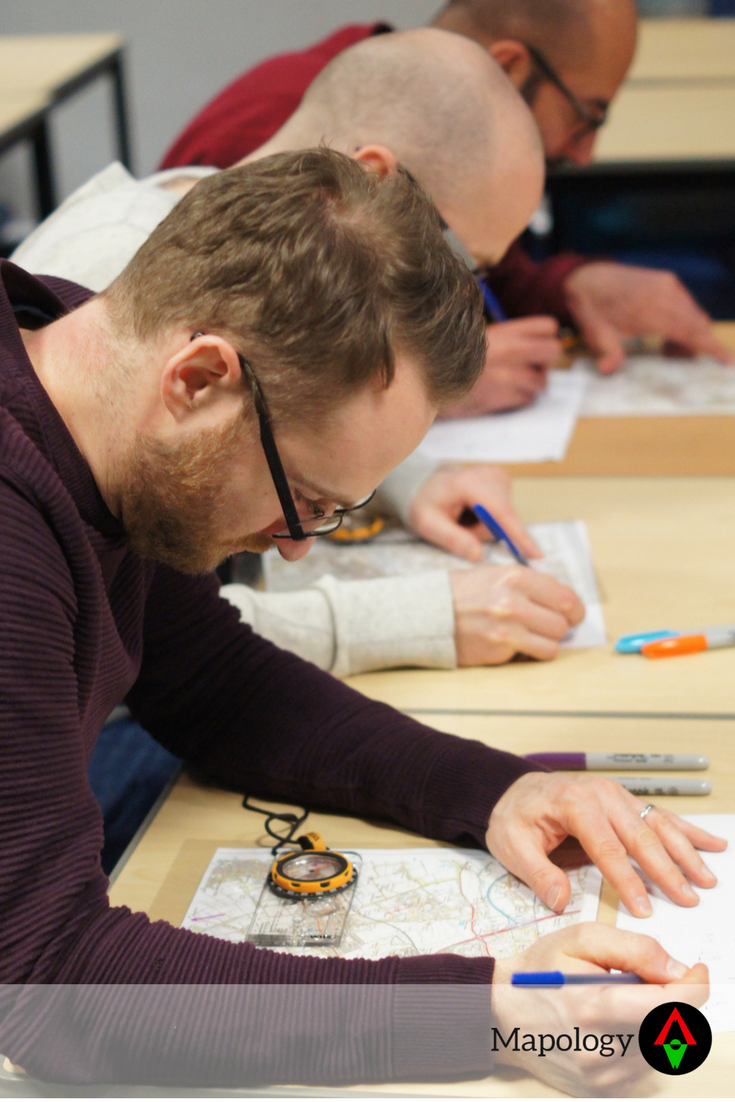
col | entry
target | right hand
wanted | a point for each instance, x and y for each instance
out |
(500, 611)
(519, 353)
(590, 947)
(443, 499)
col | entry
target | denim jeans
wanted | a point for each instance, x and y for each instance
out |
(127, 773)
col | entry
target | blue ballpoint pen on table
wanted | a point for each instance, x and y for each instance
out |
(500, 534)
(562, 979)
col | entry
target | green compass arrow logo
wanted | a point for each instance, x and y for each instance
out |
(675, 1050)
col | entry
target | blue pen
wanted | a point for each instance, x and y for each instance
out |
(560, 979)
(493, 309)
(500, 534)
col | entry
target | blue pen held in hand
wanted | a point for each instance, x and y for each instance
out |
(493, 309)
(560, 979)
(499, 532)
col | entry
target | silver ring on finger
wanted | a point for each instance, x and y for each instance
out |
(646, 809)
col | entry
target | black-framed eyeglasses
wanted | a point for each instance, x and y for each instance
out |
(593, 119)
(297, 529)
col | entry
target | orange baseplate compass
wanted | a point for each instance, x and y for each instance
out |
(306, 898)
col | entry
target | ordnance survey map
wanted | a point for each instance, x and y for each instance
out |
(658, 386)
(406, 902)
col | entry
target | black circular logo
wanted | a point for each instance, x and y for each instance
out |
(675, 1038)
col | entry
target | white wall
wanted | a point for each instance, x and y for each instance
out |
(180, 53)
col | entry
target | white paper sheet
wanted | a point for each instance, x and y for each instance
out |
(565, 544)
(537, 433)
(407, 901)
(655, 386)
(701, 933)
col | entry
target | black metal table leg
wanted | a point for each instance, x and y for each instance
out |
(121, 115)
(45, 184)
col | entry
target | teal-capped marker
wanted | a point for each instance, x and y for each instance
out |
(631, 644)
(562, 979)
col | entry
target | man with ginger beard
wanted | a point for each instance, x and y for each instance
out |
(215, 350)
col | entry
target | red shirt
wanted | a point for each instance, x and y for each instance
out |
(250, 110)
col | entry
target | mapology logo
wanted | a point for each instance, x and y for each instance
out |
(675, 1038)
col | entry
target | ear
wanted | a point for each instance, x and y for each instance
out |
(203, 373)
(376, 158)
(513, 57)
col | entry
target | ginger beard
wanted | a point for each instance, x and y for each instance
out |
(172, 499)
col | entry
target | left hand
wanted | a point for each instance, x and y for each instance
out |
(440, 501)
(540, 810)
(610, 302)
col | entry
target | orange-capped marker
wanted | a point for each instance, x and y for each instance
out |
(709, 639)
(680, 644)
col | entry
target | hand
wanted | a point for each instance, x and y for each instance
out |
(445, 495)
(500, 611)
(612, 301)
(540, 810)
(603, 1011)
(518, 355)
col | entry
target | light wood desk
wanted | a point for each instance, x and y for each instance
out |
(677, 122)
(663, 551)
(684, 50)
(163, 871)
(46, 70)
(674, 446)
(678, 103)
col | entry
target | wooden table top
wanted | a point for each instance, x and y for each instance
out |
(663, 551)
(46, 62)
(677, 122)
(684, 50)
(17, 108)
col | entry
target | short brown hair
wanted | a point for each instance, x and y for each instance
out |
(319, 272)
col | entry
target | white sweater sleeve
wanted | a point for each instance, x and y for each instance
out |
(396, 491)
(349, 627)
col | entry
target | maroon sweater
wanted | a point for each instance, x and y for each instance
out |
(252, 108)
(84, 623)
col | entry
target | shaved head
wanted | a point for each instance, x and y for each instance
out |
(444, 109)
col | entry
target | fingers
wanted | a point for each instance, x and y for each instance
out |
(607, 345)
(539, 810)
(547, 591)
(610, 948)
(523, 340)
(549, 883)
(701, 839)
(501, 387)
(441, 529)
(495, 617)
(437, 506)
(708, 344)
(606, 820)
(680, 846)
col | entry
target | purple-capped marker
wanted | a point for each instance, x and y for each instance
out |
(633, 762)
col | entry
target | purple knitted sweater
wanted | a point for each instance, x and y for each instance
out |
(85, 623)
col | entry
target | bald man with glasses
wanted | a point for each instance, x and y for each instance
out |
(568, 58)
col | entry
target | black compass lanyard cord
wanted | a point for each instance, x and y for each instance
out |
(291, 821)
